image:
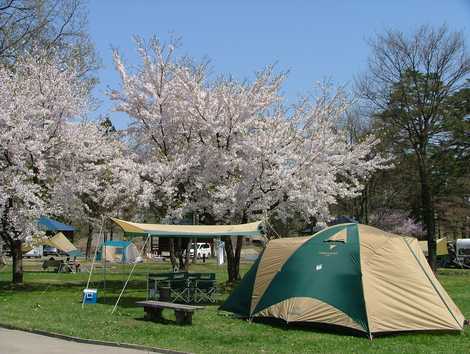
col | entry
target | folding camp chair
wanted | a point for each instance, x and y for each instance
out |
(179, 288)
(205, 288)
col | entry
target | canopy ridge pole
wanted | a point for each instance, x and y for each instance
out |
(105, 239)
(130, 274)
(94, 259)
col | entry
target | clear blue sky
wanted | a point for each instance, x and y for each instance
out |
(312, 39)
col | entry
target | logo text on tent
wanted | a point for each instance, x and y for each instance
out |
(318, 267)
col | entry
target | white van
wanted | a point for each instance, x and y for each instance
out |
(462, 251)
(202, 249)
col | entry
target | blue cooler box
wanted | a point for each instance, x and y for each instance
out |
(90, 296)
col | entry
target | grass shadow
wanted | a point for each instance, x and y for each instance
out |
(112, 286)
(341, 330)
(124, 302)
(163, 320)
(310, 326)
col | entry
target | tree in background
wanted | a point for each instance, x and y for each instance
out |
(397, 222)
(409, 80)
(451, 159)
(38, 102)
(47, 27)
(229, 151)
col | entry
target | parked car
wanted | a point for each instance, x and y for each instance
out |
(202, 249)
(36, 252)
(50, 251)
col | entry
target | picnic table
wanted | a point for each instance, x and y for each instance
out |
(59, 265)
(183, 313)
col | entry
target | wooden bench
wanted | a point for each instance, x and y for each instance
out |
(183, 313)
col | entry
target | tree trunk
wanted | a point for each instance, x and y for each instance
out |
(230, 259)
(186, 256)
(89, 241)
(428, 210)
(233, 258)
(172, 253)
(195, 249)
(179, 254)
(17, 259)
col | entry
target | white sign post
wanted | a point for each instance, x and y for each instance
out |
(220, 252)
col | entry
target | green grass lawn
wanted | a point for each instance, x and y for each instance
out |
(51, 302)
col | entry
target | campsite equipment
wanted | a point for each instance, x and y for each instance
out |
(183, 313)
(58, 242)
(441, 247)
(450, 253)
(134, 229)
(349, 275)
(61, 242)
(204, 287)
(443, 259)
(90, 296)
(49, 224)
(51, 227)
(58, 264)
(158, 287)
(181, 287)
(118, 251)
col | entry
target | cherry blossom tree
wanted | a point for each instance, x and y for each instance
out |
(49, 155)
(230, 150)
(397, 221)
(102, 180)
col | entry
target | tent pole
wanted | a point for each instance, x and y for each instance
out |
(130, 274)
(104, 277)
(94, 259)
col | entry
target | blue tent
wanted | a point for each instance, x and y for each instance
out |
(53, 225)
(117, 251)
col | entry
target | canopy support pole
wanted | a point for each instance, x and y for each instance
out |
(105, 239)
(94, 259)
(130, 274)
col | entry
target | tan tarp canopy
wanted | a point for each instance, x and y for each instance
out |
(441, 247)
(139, 229)
(58, 241)
(62, 243)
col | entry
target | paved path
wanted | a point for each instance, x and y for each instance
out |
(19, 342)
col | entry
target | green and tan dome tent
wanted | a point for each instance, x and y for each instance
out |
(349, 275)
